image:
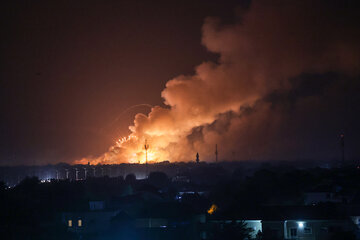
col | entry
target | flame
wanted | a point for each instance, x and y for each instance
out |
(130, 149)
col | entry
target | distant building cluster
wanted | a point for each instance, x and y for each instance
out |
(195, 201)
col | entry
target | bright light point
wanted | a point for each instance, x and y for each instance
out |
(300, 224)
(212, 209)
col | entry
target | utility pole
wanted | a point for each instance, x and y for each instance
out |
(146, 146)
(67, 173)
(76, 174)
(216, 153)
(85, 173)
(342, 142)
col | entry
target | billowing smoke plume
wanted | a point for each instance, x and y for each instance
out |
(280, 81)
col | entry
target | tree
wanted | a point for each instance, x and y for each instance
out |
(2, 186)
(158, 179)
(343, 235)
(234, 230)
(130, 178)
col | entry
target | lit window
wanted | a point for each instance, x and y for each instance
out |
(324, 229)
(79, 223)
(69, 223)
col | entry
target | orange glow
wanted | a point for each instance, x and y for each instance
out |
(129, 149)
(212, 209)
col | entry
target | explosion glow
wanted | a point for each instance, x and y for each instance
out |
(237, 102)
(130, 148)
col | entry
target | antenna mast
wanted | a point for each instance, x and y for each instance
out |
(342, 142)
(216, 153)
(146, 146)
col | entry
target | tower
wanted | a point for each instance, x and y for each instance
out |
(146, 146)
(216, 153)
(85, 173)
(342, 143)
(197, 158)
(76, 174)
(67, 173)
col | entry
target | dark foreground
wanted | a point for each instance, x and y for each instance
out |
(189, 201)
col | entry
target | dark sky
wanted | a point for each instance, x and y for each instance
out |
(69, 69)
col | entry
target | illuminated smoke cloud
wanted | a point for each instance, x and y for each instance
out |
(244, 101)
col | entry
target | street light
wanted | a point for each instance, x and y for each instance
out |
(301, 224)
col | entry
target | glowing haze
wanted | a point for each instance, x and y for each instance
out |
(231, 102)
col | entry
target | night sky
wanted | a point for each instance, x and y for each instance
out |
(275, 89)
